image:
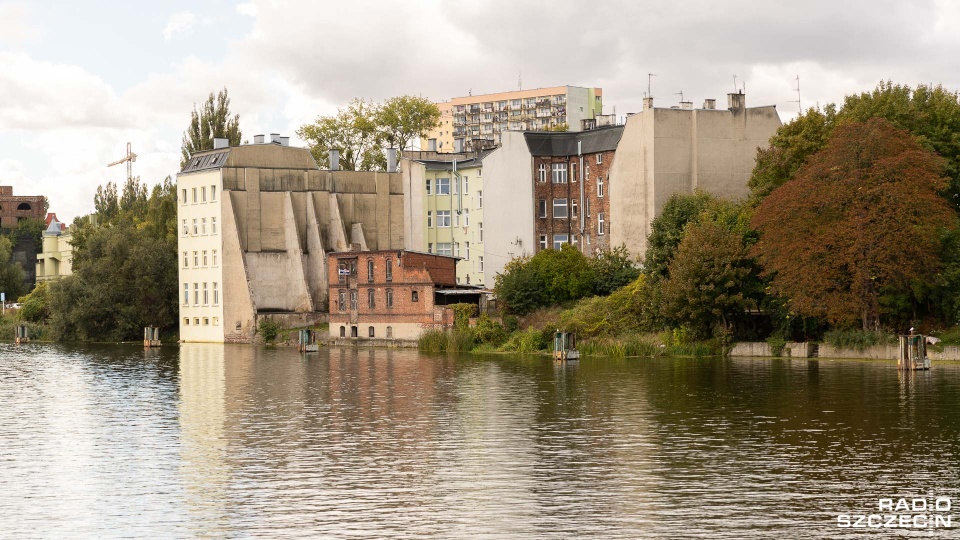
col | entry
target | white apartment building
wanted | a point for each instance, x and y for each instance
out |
(200, 256)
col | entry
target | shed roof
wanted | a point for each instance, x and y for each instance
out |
(546, 143)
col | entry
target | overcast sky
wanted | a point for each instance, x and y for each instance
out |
(80, 79)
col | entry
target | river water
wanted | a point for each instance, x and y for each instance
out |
(214, 441)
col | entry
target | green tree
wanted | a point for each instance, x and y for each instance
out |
(666, 230)
(11, 275)
(211, 121)
(612, 269)
(550, 277)
(403, 118)
(354, 132)
(35, 306)
(860, 221)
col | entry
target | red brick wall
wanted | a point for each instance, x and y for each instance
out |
(9, 214)
(547, 191)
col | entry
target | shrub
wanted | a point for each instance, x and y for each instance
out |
(269, 329)
(777, 345)
(857, 339)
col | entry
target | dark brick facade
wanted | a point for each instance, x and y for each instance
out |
(593, 205)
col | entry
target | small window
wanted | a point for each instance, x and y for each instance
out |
(429, 219)
(205, 258)
(443, 186)
(389, 269)
(573, 208)
(559, 240)
(206, 294)
(213, 225)
(559, 173)
(587, 204)
(560, 208)
(543, 241)
(186, 229)
(214, 258)
(194, 190)
(481, 263)
(599, 186)
(196, 321)
(445, 248)
(601, 226)
(342, 300)
(430, 247)
(343, 331)
(183, 200)
(370, 332)
(213, 193)
(443, 218)
(196, 259)
(196, 228)
(371, 299)
(186, 294)
(428, 186)
(216, 293)
(353, 331)
(203, 194)
(369, 270)
(414, 296)
(542, 208)
(206, 321)
(353, 300)
(186, 321)
(467, 246)
(186, 260)
(389, 298)
(479, 198)
(203, 225)
(389, 331)
(542, 172)
(599, 159)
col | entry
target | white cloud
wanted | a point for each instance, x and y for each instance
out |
(247, 8)
(14, 26)
(179, 23)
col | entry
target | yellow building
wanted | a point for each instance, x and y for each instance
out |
(444, 212)
(472, 123)
(56, 260)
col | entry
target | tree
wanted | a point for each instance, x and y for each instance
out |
(404, 118)
(211, 121)
(353, 132)
(612, 269)
(666, 230)
(704, 290)
(550, 277)
(860, 220)
(11, 275)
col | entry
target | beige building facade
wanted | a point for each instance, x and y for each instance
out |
(256, 222)
(56, 259)
(471, 123)
(664, 151)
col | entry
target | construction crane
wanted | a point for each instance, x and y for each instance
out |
(129, 159)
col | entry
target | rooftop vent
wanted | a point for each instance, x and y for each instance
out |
(275, 138)
(284, 141)
(258, 139)
(710, 104)
(334, 160)
(220, 142)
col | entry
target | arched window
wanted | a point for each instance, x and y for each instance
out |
(343, 331)
(24, 206)
(353, 331)
(370, 332)
(389, 331)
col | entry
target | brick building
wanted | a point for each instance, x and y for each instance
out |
(14, 208)
(392, 294)
(570, 187)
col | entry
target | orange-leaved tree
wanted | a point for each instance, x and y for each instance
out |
(859, 220)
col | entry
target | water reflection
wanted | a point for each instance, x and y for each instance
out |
(225, 441)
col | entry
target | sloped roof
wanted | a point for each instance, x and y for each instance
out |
(264, 156)
(547, 143)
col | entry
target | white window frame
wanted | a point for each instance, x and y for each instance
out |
(443, 186)
(213, 193)
(443, 218)
(558, 173)
(542, 208)
(558, 243)
(543, 241)
(542, 172)
(600, 187)
(599, 158)
(216, 293)
(428, 186)
(429, 219)
(479, 198)
(601, 224)
(445, 248)
(213, 225)
(564, 206)
(214, 255)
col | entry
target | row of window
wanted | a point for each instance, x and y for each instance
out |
(202, 192)
(558, 172)
(199, 226)
(560, 239)
(200, 259)
(206, 321)
(446, 218)
(442, 186)
(560, 208)
(371, 299)
(349, 268)
(370, 331)
(449, 249)
(206, 294)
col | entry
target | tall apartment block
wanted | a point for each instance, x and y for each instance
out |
(473, 123)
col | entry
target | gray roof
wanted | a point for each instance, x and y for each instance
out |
(549, 143)
(209, 159)
(446, 165)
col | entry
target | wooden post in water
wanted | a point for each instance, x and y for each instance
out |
(151, 337)
(913, 352)
(23, 334)
(307, 341)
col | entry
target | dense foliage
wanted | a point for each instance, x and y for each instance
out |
(11, 275)
(667, 230)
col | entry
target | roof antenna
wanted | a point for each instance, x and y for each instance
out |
(520, 80)
(799, 105)
(650, 76)
(734, 83)
(680, 93)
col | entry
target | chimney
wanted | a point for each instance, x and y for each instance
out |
(737, 101)
(334, 160)
(647, 103)
(391, 160)
(258, 139)
(686, 105)
(275, 137)
(284, 141)
(710, 104)
(220, 142)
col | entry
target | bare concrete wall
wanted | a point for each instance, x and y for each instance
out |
(508, 198)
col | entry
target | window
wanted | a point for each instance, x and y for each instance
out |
(559, 173)
(586, 172)
(587, 203)
(481, 263)
(466, 217)
(443, 186)
(456, 219)
(369, 270)
(213, 225)
(444, 248)
(414, 296)
(213, 193)
(186, 294)
(214, 258)
(466, 184)
(573, 172)
(542, 172)
(467, 246)
(588, 239)
(428, 186)
(186, 321)
(479, 198)
(184, 201)
(443, 218)
(353, 300)
(206, 294)
(343, 331)
(543, 241)
(599, 159)
(186, 229)
(196, 321)
(205, 258)
(216, 293)
(196, 294)
(559, 240)
(560, 208)
(429, 219)
(206, 321)
(196, 229)
(480, 227)
(371, 299)
(186, 260)
(389, 298)
(389, 269)
(370, 332)
(456, 184)
(542, 207)
(353, 331)
(599, 186)
(456, 249)
(342, 300)
(203, 194)
(600, 224)
(216, 321)
(573, 208)
(203, 225)
(389, 331)
(429, 248)
(196, 259)
(194, 195)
